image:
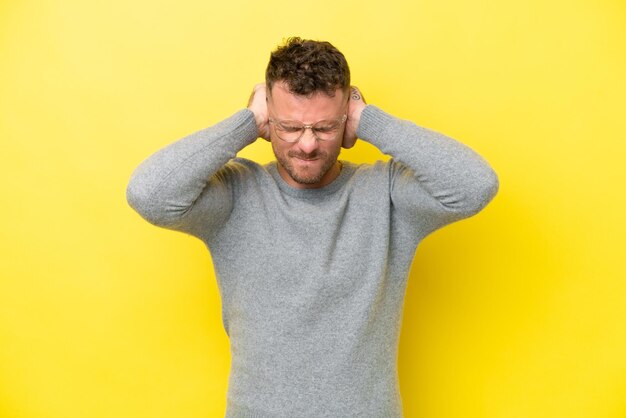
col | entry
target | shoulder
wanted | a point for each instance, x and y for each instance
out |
(242, 175)
(380, 174)
(240, 168)
(371, 174)
(374, 169)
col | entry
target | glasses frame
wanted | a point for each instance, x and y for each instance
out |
(304, 127)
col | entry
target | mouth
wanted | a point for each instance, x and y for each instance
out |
(306, 158)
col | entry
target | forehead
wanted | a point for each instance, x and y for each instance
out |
(318, 106)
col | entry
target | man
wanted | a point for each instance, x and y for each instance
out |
(311, 253)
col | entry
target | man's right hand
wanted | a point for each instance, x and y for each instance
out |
(258, 105)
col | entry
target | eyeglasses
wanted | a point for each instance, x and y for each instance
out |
(323, 130)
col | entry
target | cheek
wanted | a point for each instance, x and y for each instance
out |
(332, 148)
(279, 147)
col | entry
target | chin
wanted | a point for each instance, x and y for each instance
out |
(306, 179)
(307, 175)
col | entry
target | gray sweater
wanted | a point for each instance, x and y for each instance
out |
(312, 281)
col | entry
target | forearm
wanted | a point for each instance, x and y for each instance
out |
(457, 179)
(164, 187)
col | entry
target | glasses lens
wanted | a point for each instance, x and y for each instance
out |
(327, 130)
(289, 132)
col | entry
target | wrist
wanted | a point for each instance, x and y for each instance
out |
(356, 114)
(373, 123)
(262, 123)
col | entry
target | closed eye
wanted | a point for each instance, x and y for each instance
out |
(289, 128)
(326, 127)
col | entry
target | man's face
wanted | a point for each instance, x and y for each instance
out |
(308, 163)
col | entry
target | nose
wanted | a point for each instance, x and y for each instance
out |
(308, 142)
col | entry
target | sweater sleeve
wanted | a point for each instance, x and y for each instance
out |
(435, 180)
(165, 189)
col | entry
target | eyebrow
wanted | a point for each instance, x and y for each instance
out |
(313, 123)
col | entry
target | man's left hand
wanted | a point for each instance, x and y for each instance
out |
(356, 104)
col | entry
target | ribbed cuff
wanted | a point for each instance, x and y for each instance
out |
(373, 123)
(244, 125)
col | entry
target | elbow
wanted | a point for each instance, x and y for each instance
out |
(472, 197)
(139, 198)
(493, 183)
(485, 189)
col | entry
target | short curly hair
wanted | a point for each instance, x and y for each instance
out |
(307, 67)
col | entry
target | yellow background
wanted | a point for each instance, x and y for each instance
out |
(517, 312)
